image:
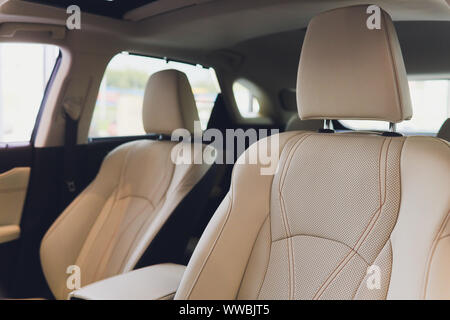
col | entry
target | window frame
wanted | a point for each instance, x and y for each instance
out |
(45, 97)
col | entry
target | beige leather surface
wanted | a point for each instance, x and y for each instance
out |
(338, 204)
(444, 131)
(157, 282)
(108, 227)
(345, 216)
(13, 190)
(296, 124)
(9, 233)
(216, 268)
(425, 195)
(347, 71)
(169, 103)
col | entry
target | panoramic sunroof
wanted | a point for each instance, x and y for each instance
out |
(109, 8)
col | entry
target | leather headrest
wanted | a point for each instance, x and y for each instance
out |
(168, 103)
(348, 71)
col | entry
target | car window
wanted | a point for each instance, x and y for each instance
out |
(24, 72)
(431, 107)
(118, 111)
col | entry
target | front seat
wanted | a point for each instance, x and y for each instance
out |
(346, 215)
(108, 227)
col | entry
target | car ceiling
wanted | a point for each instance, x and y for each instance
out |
(108, 8)
(215, 24)
(236, 30)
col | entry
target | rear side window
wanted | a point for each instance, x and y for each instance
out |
(431, 107)
(24, 72)
(118, 111)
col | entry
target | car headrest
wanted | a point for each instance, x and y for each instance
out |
(348, 71)
(168, 103)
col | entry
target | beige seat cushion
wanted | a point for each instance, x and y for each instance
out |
(345, 216)
(108, 227)
(338, 204)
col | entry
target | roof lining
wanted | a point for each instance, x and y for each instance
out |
(160, 7)
(113, 9)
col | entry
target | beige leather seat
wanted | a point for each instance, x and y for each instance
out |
(296, 124)
(444, 131)
(339, 205)
(106, 229)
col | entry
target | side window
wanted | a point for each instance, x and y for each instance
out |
(431, 107)
(246, 102)
(24, 72)
(118, 111)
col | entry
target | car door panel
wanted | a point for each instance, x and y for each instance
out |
(15, 169)
(13, 189)
(15, 172)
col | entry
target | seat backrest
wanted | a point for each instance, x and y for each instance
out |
(346, 215)
(107, 228)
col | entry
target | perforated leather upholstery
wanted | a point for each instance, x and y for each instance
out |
(338, 205)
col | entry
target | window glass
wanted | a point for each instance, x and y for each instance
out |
(24, 72)
(246, 102)
(118, 111)
(431, 106)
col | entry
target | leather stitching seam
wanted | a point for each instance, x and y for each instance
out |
(358, 244)
(284, 214)
(436, 241)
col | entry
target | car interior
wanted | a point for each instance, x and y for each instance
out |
(128, 130)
